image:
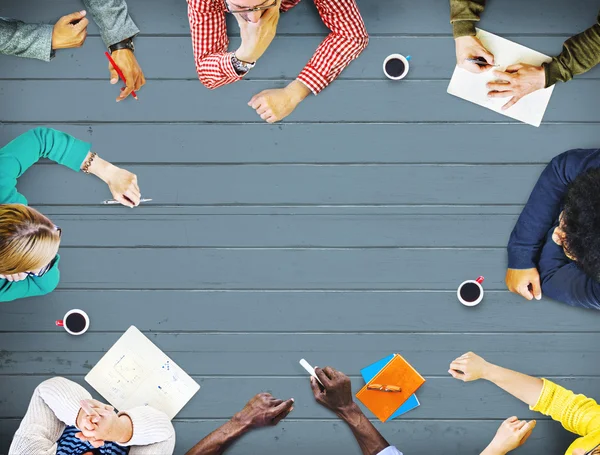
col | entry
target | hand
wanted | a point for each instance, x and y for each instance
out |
(256, 36)
(264, 410)
(126, 61)
(124, 187)
(14, 277)
(512, 434)
(516, 82)
(336, 392)
(525, 282)
(469, 367)
(276, 104)
(99, 422)
(70, 31)
(470, 47)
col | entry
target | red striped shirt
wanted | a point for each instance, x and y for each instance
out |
(348, 38)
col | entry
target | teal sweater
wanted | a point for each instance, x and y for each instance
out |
(15, 158)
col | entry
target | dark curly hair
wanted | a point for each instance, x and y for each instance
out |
(581, 221)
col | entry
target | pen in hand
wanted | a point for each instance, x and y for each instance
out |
(114, 201)
(119, 72)
(479, 61)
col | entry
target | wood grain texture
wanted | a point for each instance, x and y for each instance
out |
(339, 235)
(344, 101)
(393, 17)
(328, 143)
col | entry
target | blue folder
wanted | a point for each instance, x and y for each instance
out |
(371, 371)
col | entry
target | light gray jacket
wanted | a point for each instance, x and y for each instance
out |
(35, 40)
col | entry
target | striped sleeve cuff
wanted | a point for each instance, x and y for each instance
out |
(314, 80)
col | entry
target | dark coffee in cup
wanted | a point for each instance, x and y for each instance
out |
(470, 292)
(76, 322)
(395, 67)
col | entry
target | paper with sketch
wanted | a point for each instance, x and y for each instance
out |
(472, 87)
(134, 372)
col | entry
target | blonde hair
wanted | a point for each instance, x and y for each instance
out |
(28, 240)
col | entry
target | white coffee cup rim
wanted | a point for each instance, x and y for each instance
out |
(84, 314)
(399, 57)
(464, 302)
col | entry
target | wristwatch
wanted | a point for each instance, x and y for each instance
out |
(240, 66)
(125, 44)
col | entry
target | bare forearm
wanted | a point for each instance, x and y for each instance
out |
(98, 167)
(526, 388)
(369, 439)
(219, 440)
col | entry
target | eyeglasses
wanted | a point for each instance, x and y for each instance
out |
(43, 271)
(250, 10)
(384, 388)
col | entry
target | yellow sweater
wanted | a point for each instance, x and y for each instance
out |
(577, 413)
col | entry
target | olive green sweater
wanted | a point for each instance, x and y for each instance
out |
(580, 52)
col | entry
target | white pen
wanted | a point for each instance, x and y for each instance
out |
(113, 201)
(310, 370)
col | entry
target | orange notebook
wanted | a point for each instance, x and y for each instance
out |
(397, 373)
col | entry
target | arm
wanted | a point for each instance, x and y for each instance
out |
(26, 40)
(577, 413)
(544, 205)
(32, 286)
(369, 439)
(348, 38)
(113, 20)
(464, 14)
(55, 403)
(24, 151)
(564, 281)
(471, 367)
(261, 411)
(210, 41)
(336, 395)
(580, 54)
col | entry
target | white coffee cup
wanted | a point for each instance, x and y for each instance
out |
(70, 330)
(403, 59)
(477, 283)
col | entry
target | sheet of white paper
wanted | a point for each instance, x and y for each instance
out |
(472, 87)
(134, 372)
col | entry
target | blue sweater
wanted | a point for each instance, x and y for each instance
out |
(531, 243)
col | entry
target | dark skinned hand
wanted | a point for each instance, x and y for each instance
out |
(336, 392)
(264, 410)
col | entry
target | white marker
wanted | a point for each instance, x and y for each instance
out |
(112, 201)
(310, 370)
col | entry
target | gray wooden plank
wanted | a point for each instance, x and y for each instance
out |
(230, 268)
(329, 143)
(432, 58)
(285, 311)
(374, 230)
(289, 184)
(278, 354)
(298, 437)
(440, 397)
(385, 17)
(218, 210)
(344, 101)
